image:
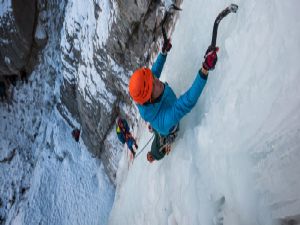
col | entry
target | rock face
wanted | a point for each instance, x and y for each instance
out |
(17, 19)
(135, 34)
(102, 45)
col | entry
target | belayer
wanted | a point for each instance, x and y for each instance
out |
(124, 135)
(158, 104)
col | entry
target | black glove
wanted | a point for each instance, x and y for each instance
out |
(210, 58)
(166, 46)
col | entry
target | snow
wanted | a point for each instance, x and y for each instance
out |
(241, 141)
(5, 8)
(40, 32)
(103, 28)
(87, 24)
(62, 183)
(45, 176)
(7, 60)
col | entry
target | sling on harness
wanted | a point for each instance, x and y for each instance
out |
(161, 144)
(166, 141)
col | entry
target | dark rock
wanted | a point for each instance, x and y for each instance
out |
(3, 91)
(24, 190)
(16, 28)
(134, 36)
(10, 157)
(76, 134)
(2, 220)
(23, 76)
(12, 79)
(290, 220)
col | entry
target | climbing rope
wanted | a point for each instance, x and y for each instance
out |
(144, 147)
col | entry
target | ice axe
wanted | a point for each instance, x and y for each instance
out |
(232, 8)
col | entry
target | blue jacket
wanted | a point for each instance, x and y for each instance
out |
(167, 113)
(122, 133)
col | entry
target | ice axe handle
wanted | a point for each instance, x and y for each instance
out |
(232, 8)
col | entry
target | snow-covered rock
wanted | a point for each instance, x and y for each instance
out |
(102, 43)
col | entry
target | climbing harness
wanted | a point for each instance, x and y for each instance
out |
(166, 141)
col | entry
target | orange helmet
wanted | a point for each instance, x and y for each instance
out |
(140, 85)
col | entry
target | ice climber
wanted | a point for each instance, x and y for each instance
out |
(125, 136)
(158, 104)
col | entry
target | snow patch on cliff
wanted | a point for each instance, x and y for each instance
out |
(85, 31)
(5, 7)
